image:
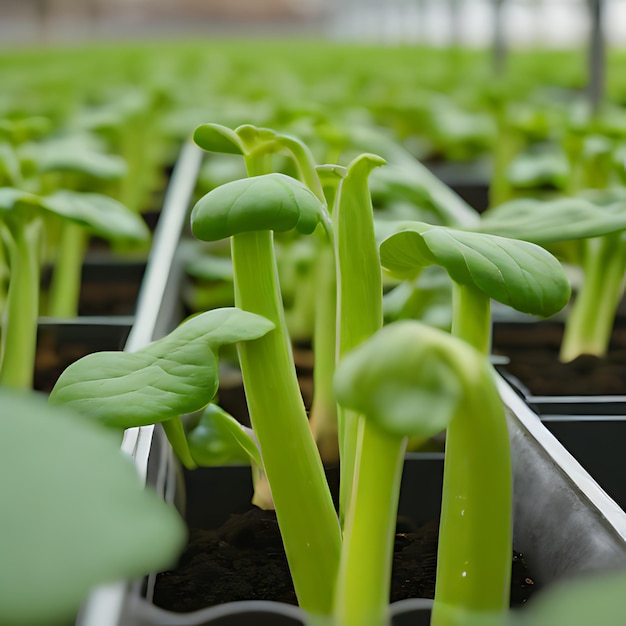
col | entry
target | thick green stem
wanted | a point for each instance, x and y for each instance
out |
(475, 531)
(471, 316)
(365, 573)
(304, 506)
(590, 321)
(19, 324)
(67, 273)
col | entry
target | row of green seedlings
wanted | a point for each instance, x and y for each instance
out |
(387, 382)
(59, 188)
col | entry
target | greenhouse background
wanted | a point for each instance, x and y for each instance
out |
(278, 262)
(553, 23)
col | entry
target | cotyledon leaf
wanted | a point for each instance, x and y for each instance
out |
(268, 202)
(517, 273)
(403, 379)
(219, 439)
(102, 215)
(550, 221)
(218, 138)
(175, 375)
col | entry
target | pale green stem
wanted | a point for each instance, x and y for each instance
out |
(64, 293)
(590, 321)
(359, 298)
(304, 507)
(365, 572)
(19, 323)
(471, 316)
(508, 145)
(475, 530)
(175, 433)
(323, 416)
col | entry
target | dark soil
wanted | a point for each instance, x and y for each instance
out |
(244, 560)
(533, 350)
(108, 287)
(59, 345)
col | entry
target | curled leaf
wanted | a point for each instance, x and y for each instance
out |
(405, 379)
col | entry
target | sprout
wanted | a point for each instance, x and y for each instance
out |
(411, 379)
(481, 266)
(248, 211)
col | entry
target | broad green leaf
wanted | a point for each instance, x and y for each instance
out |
(517, 273)
(270, 202)
(101, 214)
(74, 513)
(175, 375)
(218, 138)
(549, 221)
(76, 153)
(219, 439)
(403, 379)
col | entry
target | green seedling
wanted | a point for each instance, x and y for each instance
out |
(482, 267)
(410, 379)
(359, 293)
(588, 231)
(76, 162)
(258, 146)
(248, 211)
(22, 216)
(76, 517)
(172, 376)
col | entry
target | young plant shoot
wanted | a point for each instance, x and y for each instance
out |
(248, 211)
(410, 379)
(22, 217)
(323, 418)
(359, 294)
(588, 231)
(175, 375)
(482, 267)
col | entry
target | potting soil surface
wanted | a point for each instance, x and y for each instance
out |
(244, 560)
